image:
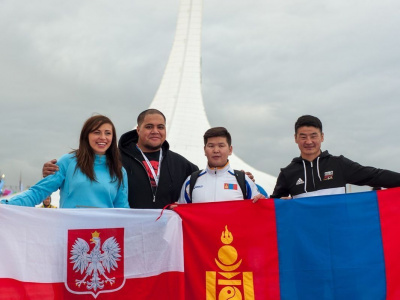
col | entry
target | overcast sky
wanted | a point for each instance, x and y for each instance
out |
(265, 63)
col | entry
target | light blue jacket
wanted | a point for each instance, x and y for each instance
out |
(76, 189)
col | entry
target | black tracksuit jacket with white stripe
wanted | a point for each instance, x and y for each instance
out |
(328, 174)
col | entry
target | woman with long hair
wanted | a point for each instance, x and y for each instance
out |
(90, 176)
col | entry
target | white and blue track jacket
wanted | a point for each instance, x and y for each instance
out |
(217, 184)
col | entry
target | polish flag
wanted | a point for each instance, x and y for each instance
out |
(90, 254)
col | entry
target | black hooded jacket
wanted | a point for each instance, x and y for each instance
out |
(174, 170)
(328, 174)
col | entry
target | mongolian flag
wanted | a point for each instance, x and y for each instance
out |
(327, 247)
(90, 254)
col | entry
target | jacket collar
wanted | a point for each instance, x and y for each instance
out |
(322, 155)
(219, 170)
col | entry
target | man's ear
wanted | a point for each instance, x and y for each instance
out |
(230, 150)
(322, 137)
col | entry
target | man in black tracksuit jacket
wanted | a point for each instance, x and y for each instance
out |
(140, 154)
(320, 173)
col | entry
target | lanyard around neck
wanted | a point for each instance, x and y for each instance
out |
(155, 176)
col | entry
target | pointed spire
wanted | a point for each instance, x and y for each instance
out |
(179, 95)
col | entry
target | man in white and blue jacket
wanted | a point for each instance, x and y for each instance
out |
(218, 182)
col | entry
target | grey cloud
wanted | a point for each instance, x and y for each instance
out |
(264, 64)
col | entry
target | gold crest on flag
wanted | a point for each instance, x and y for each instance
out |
(229, 282)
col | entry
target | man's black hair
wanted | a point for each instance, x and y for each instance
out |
(307, 120)
(150, 111)
(217, 132)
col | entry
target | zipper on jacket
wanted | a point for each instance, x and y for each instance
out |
(312, 173)
(215, 183)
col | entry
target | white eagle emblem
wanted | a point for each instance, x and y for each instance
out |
(97, 263)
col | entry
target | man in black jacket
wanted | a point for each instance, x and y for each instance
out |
(155, 173)
(317, 173)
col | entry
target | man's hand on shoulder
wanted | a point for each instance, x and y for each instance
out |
(251, 176)
(49, 168)
(259, 196)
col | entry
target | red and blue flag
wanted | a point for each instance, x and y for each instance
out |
(328, 247)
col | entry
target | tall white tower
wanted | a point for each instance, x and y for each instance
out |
(179, 96)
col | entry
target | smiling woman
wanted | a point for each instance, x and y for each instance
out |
(101, 138)
(90, 176)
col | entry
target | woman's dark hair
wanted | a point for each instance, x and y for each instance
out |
(85, 155)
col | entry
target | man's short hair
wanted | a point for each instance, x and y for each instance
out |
(217, 132)
(307, 120)
(150, 111)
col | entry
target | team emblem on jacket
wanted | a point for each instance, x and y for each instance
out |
(95, 262)
(299, 181)
(230, 186)
(328, 175)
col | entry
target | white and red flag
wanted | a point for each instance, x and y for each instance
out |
(90, 254)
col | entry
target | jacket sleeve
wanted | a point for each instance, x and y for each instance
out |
(44, 188)
(281, 189)
(184, 197)
(360, 175)
(121, 200)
